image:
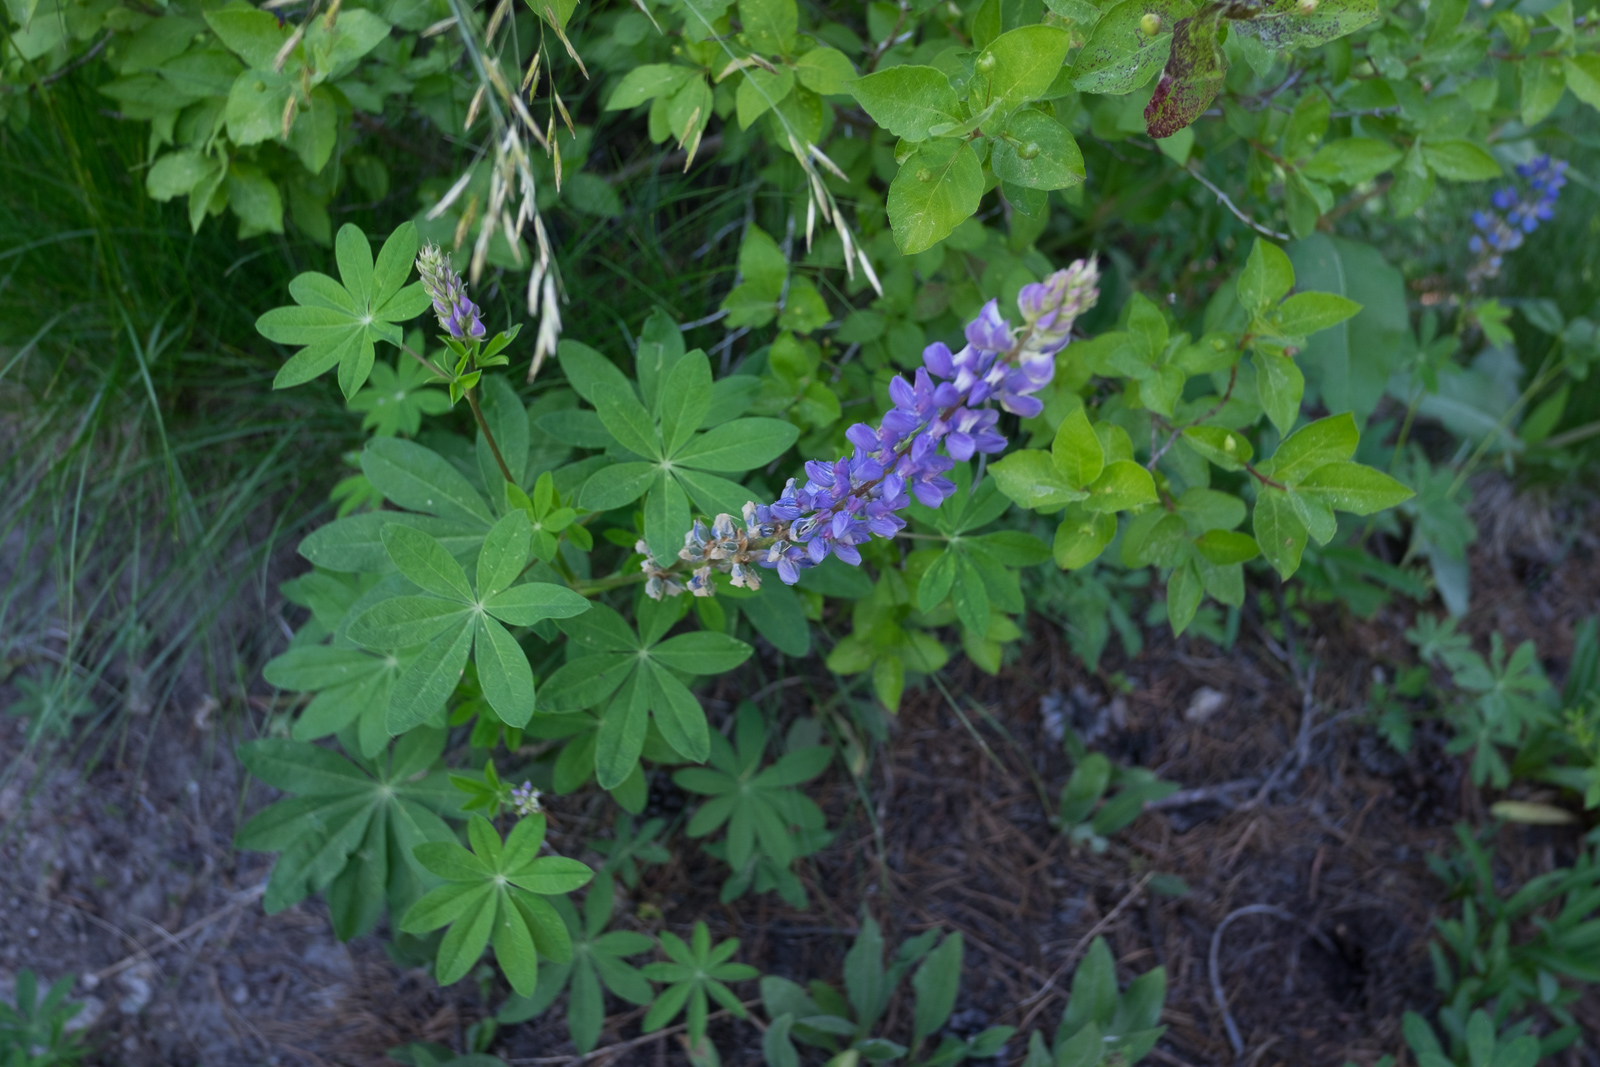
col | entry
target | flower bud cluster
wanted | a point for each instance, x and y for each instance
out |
(458, 316)
(939, 418)
(1501, 233)
(525, 800)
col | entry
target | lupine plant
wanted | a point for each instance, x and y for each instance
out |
(513, 585)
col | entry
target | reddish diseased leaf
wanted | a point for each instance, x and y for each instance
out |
(1193, 75)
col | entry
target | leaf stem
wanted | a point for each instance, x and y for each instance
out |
(477, 413)
(1264, 480)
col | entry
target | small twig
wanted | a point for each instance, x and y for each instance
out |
(57, 75)
(249, 896)
(1231, 206)
(1216, 969)
(1203, 795)
(1081, 947)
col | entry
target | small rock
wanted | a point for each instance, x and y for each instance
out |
(93, 1008)
(139, 981)
(241, 995)
(1205, 703)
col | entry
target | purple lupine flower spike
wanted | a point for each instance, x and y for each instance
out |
(458, 315)
(1498, 234)
(844, 504)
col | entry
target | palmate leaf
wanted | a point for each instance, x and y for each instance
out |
(352, 686)
(339, 324)
(396, 398)
(633, 676)
(677, 464)
(760, 807)
(496, 891)
(698, 970)
(598, 960)
(351, 828)
(453, 618)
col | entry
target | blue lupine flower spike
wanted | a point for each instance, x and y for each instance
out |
(1498, 234)
(458, 316)
(845, 503)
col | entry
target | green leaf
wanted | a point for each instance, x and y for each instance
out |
(1033, 479)
(514, 950)
(1037, 152)
(685, 399)
(1460, 161)
(970, 597)
(1122, 485)
(253, 35)
(1352, 160)
(678, 715)
(666, 517)
(405, 622)
(1025, 61)
(1352, 362)
(1354, 488)
(425, 686)
(645, 83)
(1284, 24)
(1226, 448)
(777, 615)
(935, 190)
(1119, 56)
(348, 827)
(254, 198)
(531, 602)
(1082, 536)
(741, 445)
(826, 71)
(503, 673)
(1267, 277)
(1306, 313)
(425, 562)
(936, 982)
(771, 25)
(504, 554)
(1330, 440)
(1583, 77)
(1279, 532)
(342, 327)
(1184, 593)
(1280, 387)
(617, 485)
(419, 478)
(907, 100)
(704, 652)
(1224, 547)
(622, 732)
(1192, 77)
(936, 581)
(599, 382)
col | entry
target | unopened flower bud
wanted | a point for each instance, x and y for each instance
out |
(985, 63)
(458, 316)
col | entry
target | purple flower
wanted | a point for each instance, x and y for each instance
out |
(457, 315)
(1499, 233)
(936, 419)
(845, 503)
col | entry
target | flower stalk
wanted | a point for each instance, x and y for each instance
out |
(941, 417)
